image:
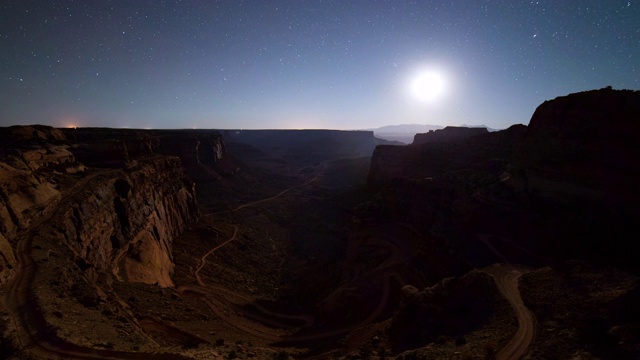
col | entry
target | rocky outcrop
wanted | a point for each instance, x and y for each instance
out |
(123, 212)
(561, 188)
(473, 149)
(203, 152)
(7, 259)
(127, 224)
(20, 136)
(575, 174)
(33, 161)
(25, 187)
(450, 134)
(583, 144)
(388, 162)
(579, 307)
(453, 307)
(193, 148)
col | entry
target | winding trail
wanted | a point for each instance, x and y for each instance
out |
(210, 294)
(210, 297)
(32, 329)
(324, 167)
(506, 278)
(204, 257)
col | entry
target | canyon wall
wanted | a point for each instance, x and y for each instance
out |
(450, 134)
(562, 187)
(582, 144)
(308, 146)
(118, 215)
(440, 151)
(26, 191)
(127, 222)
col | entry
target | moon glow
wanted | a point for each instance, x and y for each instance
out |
(427, 86)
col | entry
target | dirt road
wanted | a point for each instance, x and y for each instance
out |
(210, 294)
(31, 327)
(324, 166)
(506, 278)
(204, 257)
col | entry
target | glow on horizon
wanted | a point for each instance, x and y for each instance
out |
(344, 65)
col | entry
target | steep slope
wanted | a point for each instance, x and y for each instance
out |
(70, 231)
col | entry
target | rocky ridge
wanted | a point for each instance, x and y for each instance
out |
(560, 188)
(70, 229)
(443, 310)
(131, 213)
(450, 134)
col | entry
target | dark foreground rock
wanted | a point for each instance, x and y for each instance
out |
(452, 308)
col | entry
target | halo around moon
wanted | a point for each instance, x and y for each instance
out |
(427, 86)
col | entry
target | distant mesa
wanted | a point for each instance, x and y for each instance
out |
(306, 146)
(450, 134)
(403, 133)
(33, 134)
(480, 126)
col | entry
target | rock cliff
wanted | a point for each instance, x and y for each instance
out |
(119, 219)
(307, 146)
(127, 223)
(562, 187)
(29, 154)
(450, 134)
(442, 151)
(582, 144)
(444, 310)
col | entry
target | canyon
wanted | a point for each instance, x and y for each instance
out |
(316, 244)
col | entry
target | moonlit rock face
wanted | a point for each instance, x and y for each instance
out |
(408, 292)
(427, 86)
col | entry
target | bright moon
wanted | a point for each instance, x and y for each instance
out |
(427, 86)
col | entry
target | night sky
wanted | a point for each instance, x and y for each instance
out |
(305, 64)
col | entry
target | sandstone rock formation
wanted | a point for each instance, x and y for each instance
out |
(450, 134)
(562, 187)
(582, 144)
(453, 307)
(29, 154)
(445, 150)
(124, 224)
(127, 224)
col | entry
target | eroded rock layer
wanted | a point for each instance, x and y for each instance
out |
(123, 222)
(128, 222)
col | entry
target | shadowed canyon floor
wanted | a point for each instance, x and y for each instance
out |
(240, 284)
